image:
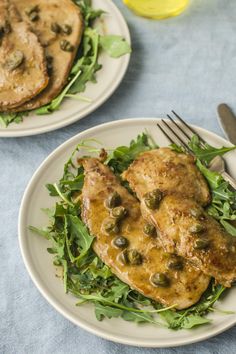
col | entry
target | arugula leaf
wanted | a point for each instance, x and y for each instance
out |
(8, 118)
(123, 156)
(88, 64)
(115, 46)
(45, 232)
(193, 321)
(223, 205)
(228, 227)
(102, 311)
(77, 232)
(208, 152)
(138, 317)
(89, 14)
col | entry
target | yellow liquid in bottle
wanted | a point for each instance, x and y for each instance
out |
(157, 9)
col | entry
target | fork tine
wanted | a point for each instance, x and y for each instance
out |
(189, 128)
(167, 135)
(176, 136)
(178, 126)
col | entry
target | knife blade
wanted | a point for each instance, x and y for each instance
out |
(227, 121)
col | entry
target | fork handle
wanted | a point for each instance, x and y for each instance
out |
(229, 179)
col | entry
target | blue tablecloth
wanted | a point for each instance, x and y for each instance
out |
(187, 63)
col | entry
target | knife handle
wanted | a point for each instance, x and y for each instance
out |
(229, 179)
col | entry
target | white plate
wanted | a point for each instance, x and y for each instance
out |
(108, 79)
(39, 262)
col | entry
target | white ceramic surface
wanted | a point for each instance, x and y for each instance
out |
(108, 79)
(39, 262)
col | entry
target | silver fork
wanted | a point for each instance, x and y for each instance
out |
(181, 134)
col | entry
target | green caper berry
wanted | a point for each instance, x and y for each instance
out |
(197, 229)
(201, 244)
(66, 29)
(134, 257)
(119, 212)
(55, 27)
(34, 16)
(175, 263)
(14, 60)
(149, 230)
(66, 46)
(131, 257)
(121, 242)
(160, 279)
(110, 226)
(113, 200)
(152, 199)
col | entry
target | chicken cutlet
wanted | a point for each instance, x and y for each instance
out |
(23, 70)
(127, 244)
(169, 171)
(59, 27)
(188, 230)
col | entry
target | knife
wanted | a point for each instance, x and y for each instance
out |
(227, 121)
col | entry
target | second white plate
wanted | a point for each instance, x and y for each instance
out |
(39, 262)
(108, 79)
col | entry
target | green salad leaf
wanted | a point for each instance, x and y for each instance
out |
(115, 46)
(207, 152)
(14, 117)
(223, 204)
(87, 277)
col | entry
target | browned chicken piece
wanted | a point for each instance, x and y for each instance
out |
(169, 171)
(59, 26)
(186, 229)
(128, 245)
(23, 70)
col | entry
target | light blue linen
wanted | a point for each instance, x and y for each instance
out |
(187, 63)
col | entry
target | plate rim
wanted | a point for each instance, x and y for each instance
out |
(5, 133)
(46, 294)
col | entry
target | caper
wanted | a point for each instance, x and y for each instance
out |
(66, 29)
(33, 16)
(14, 61)
(152, 199)
(175, 263)
(121, 242)
(149, 230)
(49, 60)
(119, 212)
(197, 229)
(32, 9)
(66, 46)
(113, 200)
(134, 257)
(201, 244)
(55, 27)
(110, 226)
(160, 279)
(131, 257)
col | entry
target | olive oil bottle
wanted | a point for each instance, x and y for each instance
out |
(157, 9)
